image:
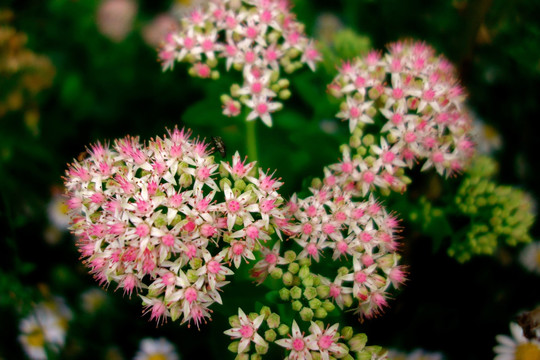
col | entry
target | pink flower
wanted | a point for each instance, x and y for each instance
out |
(298, 344)
(115, 18)
(247, 331)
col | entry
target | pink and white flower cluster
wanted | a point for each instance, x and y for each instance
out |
(325, 342)
(256, 37)
(330, 222)
(160, 220)
(415, 97)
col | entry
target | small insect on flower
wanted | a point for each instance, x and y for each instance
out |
(219, 145)
(530, 323)
(82, 155)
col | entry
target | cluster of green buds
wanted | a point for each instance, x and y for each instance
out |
(320, 341)
(498, 213)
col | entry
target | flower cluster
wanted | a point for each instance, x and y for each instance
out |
(415, 98)
(322, 342)
(256, 37)
(498, 213)
(45, 328)
(361, 233)
(165, 221)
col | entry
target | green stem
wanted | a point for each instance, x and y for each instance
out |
(251, 140)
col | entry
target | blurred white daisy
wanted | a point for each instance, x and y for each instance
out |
(44, 328)
(57, 211)
(156, 349)
(417, 354)
(517, 347)
(486, 137)
(530, 257)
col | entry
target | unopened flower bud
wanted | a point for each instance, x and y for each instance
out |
(347, 332)
(287, 279)
(328, 306)
(306, 314)
(304, 271)
(283, 329)
(234, 321)
(308, 281)
(185, 180)
(261, 350)
(323, 291)
(276, 274)
(358, 342)
(315, 303)
(293, 268)
(265, 310)
(296, 292)
(233, 347)
(242, 356)
(297, 305)
(273, 320)
(270, 335)
(284, 294)
(321, 313)
(310, 293)
(289, 256)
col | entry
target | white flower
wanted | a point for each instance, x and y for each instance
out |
(299, 345)
(45, 327)
(530, 257)
(57, 210)
(516, 347)
(156, 349)
(247, 331)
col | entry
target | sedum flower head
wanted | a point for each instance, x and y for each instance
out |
(259, 38)
(331, 222)
(160, 220)
(416, 99)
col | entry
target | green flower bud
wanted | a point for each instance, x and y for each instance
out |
(310, 292)
(329, 306)
(276, 274)
(224, 181)
(261, 350)
(304, 262)
(284, 294)
(284, 94)
(283, 329)
(315, 303)
(306, 314)
(347, 332)
(323, 291)
(296, 292)
(242, 356)
(273, 320)
(358, 342)
(289, 256)
(192, 276)
(287, 279)
(304, 271)
(293, 267)
(308, 280)
(185, 180)
(270, 335)
(265, 310)
(297, 305)
(233, 347)
(234, 321)
(195, 263)
(321, 313)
